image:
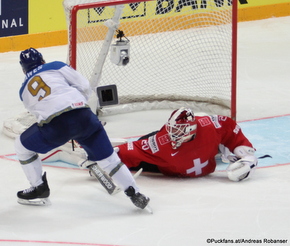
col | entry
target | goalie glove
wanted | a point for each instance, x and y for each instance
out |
(242, 169)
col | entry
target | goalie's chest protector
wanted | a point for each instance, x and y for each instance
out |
(194, 158)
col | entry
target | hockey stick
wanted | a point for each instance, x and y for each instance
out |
(136, 175)
(106, 180)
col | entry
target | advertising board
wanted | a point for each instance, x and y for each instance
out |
(13, 17)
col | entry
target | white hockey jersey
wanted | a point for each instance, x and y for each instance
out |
(53, 88)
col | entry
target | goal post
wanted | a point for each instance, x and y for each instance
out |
(233, 109)
(180, 52)
(177, 53)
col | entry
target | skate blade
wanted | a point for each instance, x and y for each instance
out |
(148, 209)
(35, 202)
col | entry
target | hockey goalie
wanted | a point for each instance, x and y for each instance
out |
(187, 146)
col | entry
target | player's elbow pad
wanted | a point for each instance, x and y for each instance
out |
(243, 168)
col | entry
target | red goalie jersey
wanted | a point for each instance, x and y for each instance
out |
(192, 158)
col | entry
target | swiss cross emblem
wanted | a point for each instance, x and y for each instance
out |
(164, 139)
(197, 167)
(204, 121)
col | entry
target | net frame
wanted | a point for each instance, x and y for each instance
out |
(72, 25)
(14, 126)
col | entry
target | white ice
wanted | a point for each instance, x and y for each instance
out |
(186, 211)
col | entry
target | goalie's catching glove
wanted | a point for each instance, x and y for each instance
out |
(243, 163)
(242, 169)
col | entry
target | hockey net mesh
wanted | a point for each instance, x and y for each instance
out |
(181, 52)
(181, 55)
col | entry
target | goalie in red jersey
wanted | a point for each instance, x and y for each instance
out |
(186, 146)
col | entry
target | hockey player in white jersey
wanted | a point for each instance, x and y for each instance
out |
(57, 95)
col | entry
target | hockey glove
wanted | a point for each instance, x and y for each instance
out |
(243, 168)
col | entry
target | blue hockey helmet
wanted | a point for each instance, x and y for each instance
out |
(30, 59)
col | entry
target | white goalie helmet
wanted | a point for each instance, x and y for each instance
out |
(181, 127)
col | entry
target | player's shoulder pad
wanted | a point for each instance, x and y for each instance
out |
(53, 65)
(45, 67)
(42, 68)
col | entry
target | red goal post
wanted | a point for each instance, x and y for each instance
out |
(182, 52)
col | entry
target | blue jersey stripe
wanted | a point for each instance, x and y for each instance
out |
(56, 65)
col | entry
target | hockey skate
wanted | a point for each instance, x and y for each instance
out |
(138, 199)
(35, 195)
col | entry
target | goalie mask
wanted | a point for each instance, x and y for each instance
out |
(181, 127)
(30, 59)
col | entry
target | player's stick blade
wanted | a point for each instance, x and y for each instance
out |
(116, 191)
(136, 175)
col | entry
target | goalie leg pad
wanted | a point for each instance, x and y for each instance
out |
(242, 169)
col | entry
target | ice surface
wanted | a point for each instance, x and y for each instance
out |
(186, 211)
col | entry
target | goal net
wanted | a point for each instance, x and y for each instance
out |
(180, 53)
(157, 54)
